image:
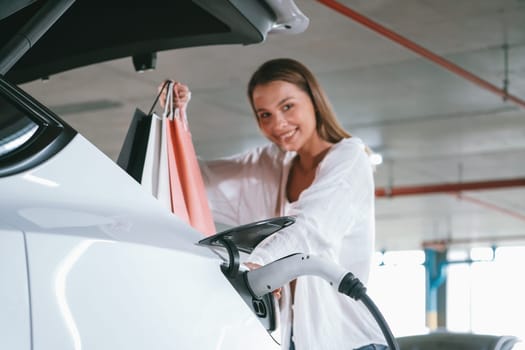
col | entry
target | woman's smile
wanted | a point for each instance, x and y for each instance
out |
(287, 136)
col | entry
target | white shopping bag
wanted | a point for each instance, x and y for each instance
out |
(155, 176)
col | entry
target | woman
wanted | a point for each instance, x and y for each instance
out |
(317, 172)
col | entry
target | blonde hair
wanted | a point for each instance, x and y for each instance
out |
(294, 72)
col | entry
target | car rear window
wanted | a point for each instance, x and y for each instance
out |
(30, 133)
(15, 127)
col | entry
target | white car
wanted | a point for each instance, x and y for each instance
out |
(88, 260)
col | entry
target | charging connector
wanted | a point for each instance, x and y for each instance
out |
(268, 278)
(276, 274)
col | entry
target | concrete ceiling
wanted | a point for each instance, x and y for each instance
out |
(430, 125)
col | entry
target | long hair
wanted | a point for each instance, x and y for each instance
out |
(294, 72)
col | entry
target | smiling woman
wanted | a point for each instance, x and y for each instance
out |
(312, 170)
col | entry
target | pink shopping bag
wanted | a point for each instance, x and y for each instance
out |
(185, 172)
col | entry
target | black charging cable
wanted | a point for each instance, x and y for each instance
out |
(352, 286)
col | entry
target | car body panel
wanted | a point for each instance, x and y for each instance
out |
(110, 267)
(15, 326)
(100, 294)
(80, 191)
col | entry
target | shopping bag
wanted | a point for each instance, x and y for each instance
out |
(184, 170)
(133, 151)
(170, 170)
(155, 175)
(177, 200)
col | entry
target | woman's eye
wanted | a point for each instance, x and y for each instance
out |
(264, 115)
(287, 106)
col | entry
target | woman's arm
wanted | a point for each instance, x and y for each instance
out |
(243, 188)
(341, 195)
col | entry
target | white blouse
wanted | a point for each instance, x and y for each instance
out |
(334, 220)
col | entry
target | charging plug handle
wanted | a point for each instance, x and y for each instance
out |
(276, 274)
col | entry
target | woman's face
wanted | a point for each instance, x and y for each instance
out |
(285, 115)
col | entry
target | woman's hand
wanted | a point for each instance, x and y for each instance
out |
(181, 95)
(252, 266)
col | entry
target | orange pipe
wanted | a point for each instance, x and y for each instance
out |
(456, 188)
(446, 188)
(367, 22)
(440, 244)
(491, 206)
